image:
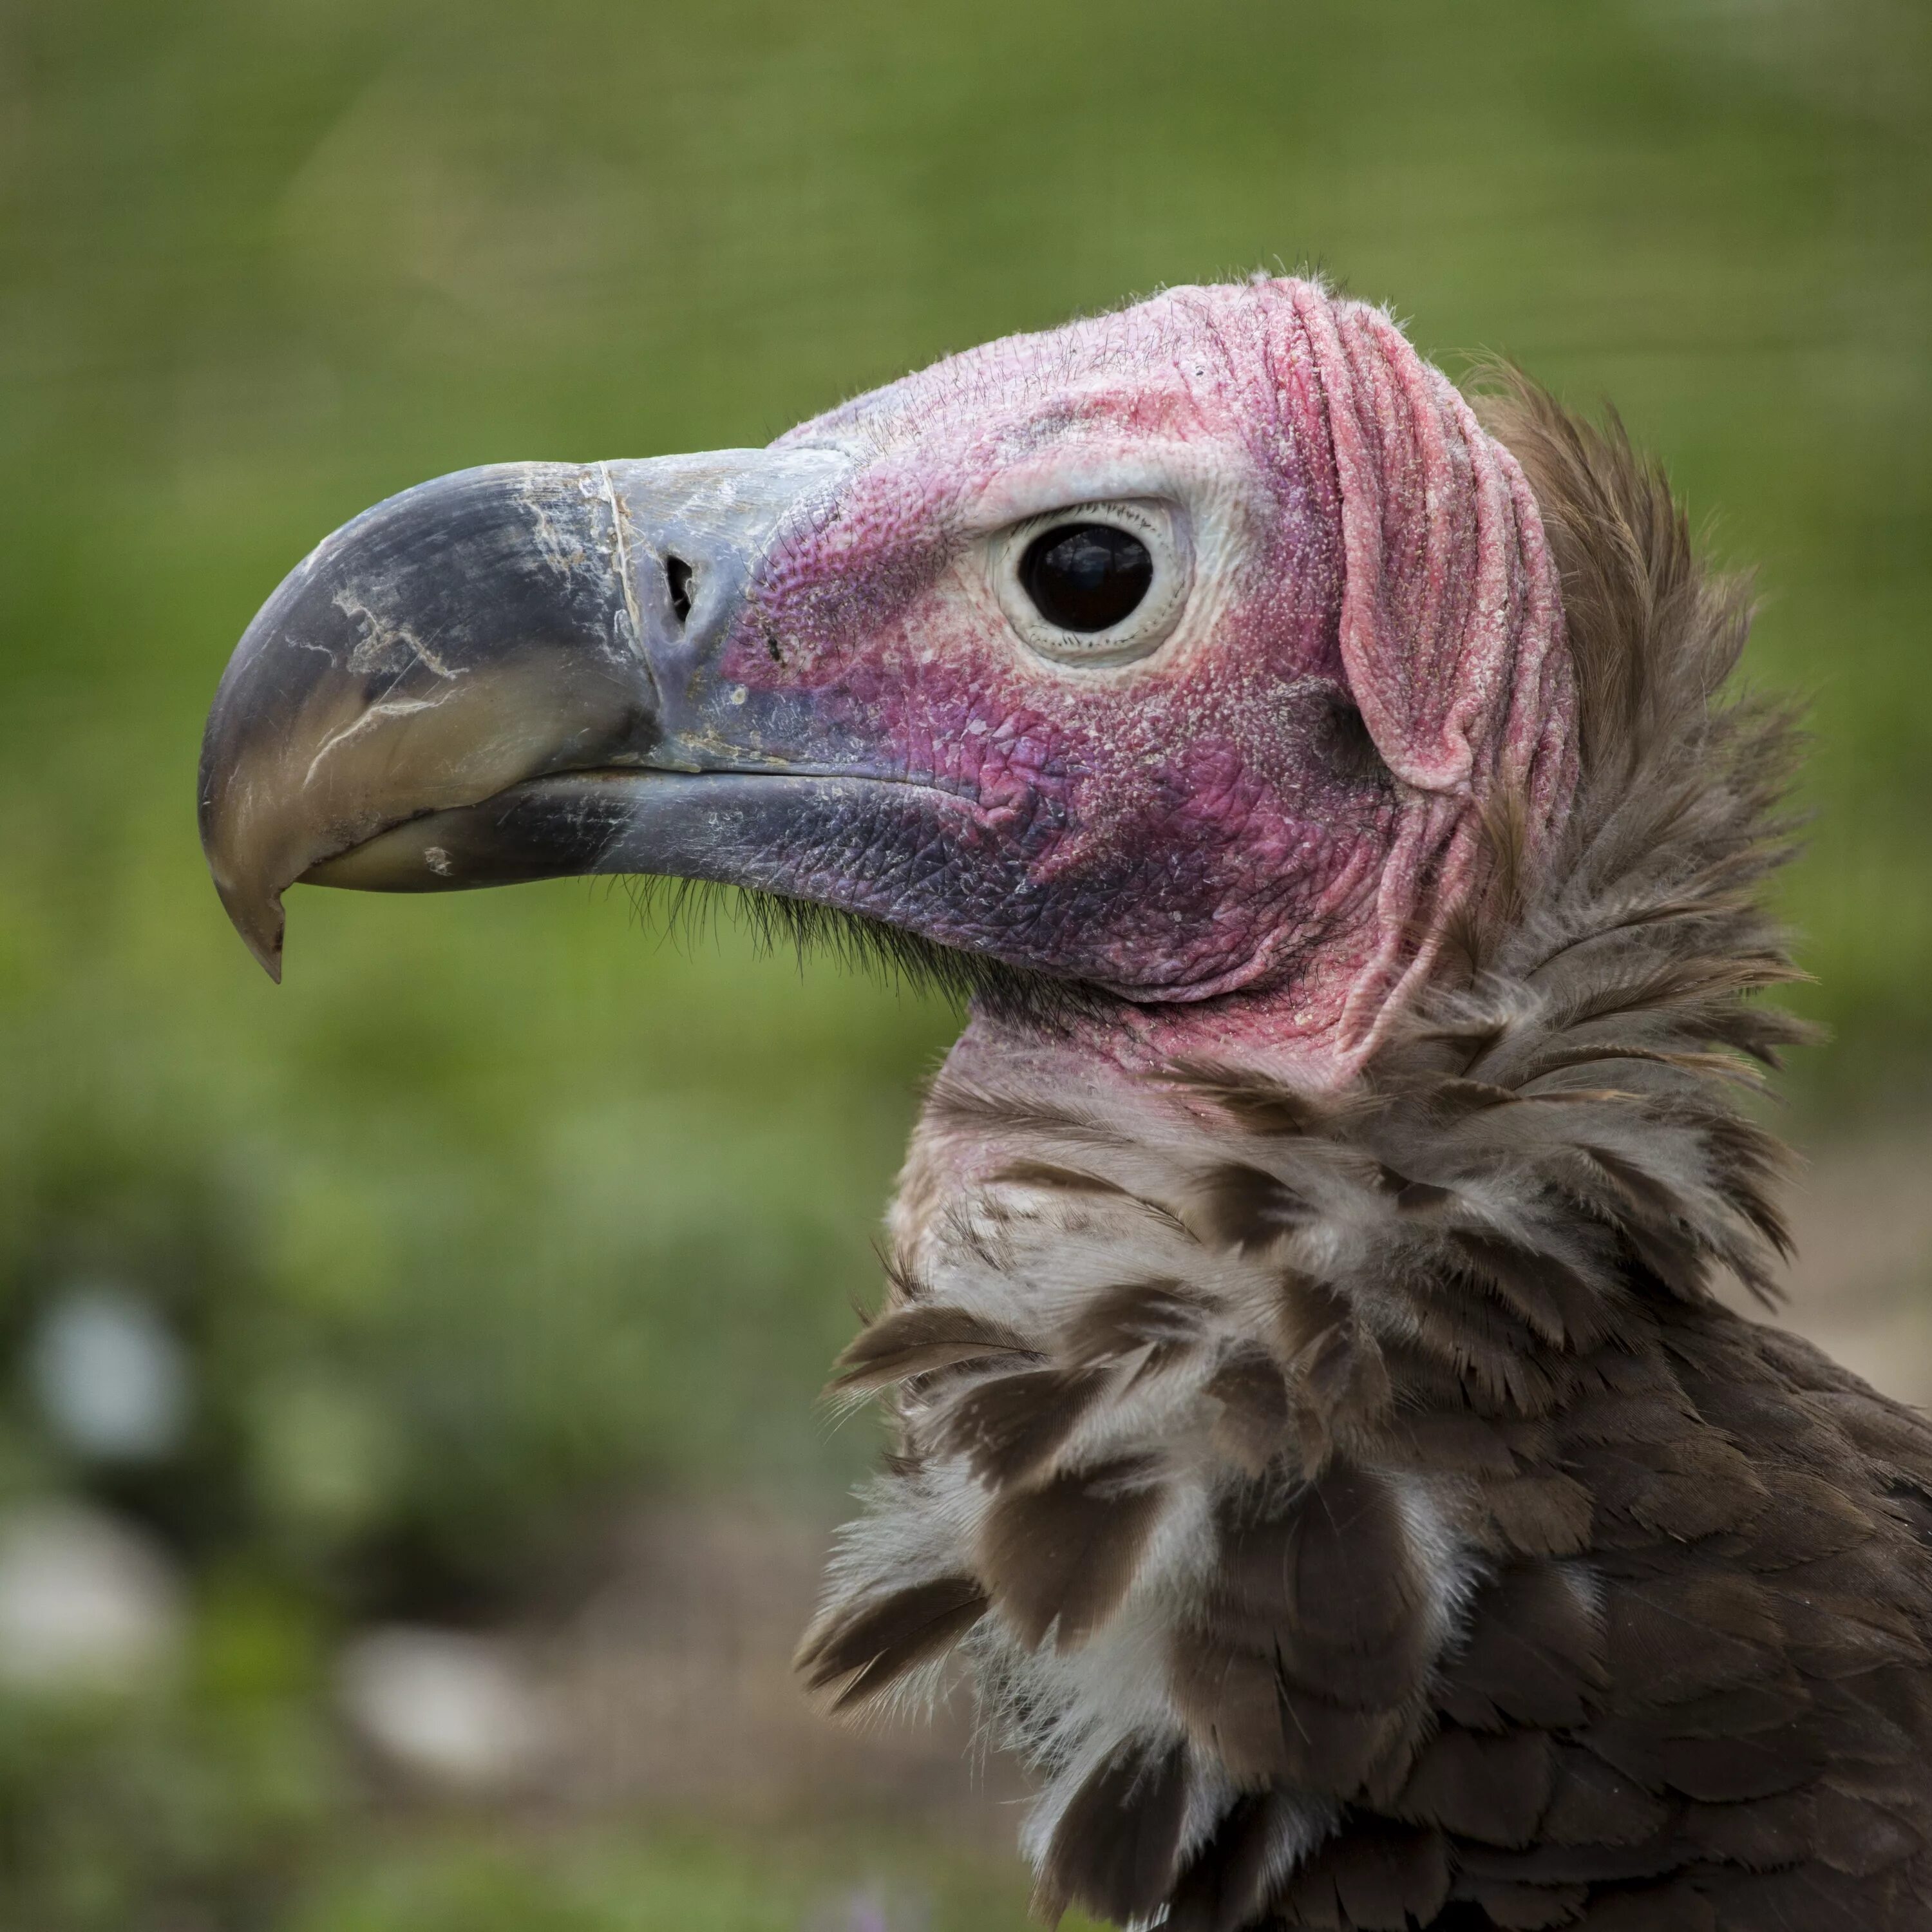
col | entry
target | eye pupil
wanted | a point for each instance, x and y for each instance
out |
(1086, 577)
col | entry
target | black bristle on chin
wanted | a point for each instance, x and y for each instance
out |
(681, 909)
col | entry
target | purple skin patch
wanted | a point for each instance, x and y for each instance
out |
(1273, 811)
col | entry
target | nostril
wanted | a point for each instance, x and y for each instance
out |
(677, 577)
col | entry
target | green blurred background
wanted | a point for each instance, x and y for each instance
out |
(477, 1282)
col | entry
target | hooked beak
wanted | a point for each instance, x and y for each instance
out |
(507, 674)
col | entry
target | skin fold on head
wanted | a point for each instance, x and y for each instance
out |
(1185, 656)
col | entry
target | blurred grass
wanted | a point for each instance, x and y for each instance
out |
(696, 1881)
(501, 1207)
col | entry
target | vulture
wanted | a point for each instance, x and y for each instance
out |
(1315, 1431)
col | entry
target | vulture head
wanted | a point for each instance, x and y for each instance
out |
(1316, 1429)
(1177, 655)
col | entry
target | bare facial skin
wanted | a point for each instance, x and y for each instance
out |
(1239, 813)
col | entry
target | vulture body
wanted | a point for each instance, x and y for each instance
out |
(1315, 1429)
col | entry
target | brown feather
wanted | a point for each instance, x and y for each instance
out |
(1259, 1104)
(1245, 1209)
(1760, 1836)
(1376, 1875)
(1492, 1788)
(876, 1643)
(1535, 1514)
(1228, 1879)
(1251, 1428)
(1010, 1427)
(1676, 1905)
(1117, 1845)
(1541, 1290)
(1445, 1441)
(1061, 1557)
(1077, 1182)
(1524, 1908)
(1593, 1803)
(918, 1340)
(1533, 1656)
(1859, 1838)
(1163, 1317)
(1340, 1387)
(1313, 1637)
(1678, 1635)
(1682, 1490)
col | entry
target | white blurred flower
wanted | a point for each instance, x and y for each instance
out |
(86, 1601)
(110, 1375)
(450, 1708)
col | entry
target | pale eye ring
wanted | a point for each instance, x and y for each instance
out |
(1094, 583)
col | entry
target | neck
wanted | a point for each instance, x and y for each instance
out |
(1313, 1029)
(1120, 1057)
(1279, 1036)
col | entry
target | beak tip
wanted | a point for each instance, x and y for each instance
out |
(266, 946)
(260, 922)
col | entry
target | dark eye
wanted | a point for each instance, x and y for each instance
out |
(1086, 577)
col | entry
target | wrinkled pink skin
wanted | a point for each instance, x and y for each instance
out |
(1188, 831)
